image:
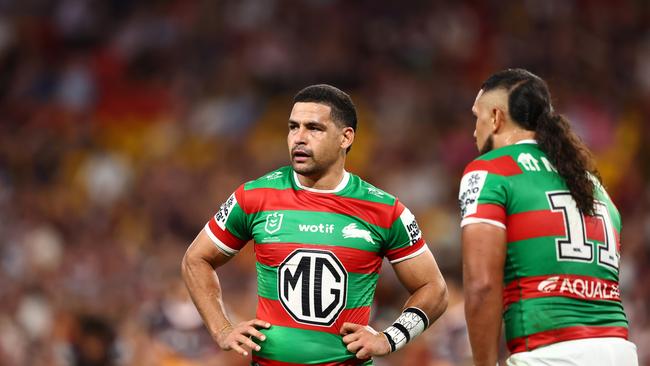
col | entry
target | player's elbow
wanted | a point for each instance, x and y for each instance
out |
(443, 296)
(185, 265)
(438, 297)
(190, 260)
(481, 289)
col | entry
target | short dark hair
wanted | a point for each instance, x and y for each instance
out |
(342, 108)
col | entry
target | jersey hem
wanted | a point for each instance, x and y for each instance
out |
(223, 248)
(478, 220)
(353, 361)
(424, 248)
(536, 340)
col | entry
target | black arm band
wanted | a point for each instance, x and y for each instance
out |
(390, 341)
(421, 314)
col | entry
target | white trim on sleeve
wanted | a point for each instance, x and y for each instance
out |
(424, 248)
(478, 220)
(220, 245)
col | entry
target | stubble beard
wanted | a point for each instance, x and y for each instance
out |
(309, 169)
(487, 146)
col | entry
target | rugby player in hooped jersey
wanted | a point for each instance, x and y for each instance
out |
(320, 234)
(540, 236)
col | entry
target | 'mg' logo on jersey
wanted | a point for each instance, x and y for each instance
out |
(312, 286)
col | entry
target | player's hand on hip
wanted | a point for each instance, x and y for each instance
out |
(240, 337)
(364, 341)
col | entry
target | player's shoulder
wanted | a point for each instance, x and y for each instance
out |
(276, 179)
(361, 189)
(601, 193)
(501, 161)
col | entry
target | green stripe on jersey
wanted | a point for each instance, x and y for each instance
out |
(535, 315)
(361, 287)
(315, 347)
(236, 223)
(322, 228)
(277, 179)
(362, 190)
(538, 257)
(526, 199)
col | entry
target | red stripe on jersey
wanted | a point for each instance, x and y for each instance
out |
(534, 224)
(354, 260)
(397, 254)
(266, 362)
(225, 236)
(536, 340)
(273, 312)
(576, 287)
(490, 211)
(504, 165)
(268, 199)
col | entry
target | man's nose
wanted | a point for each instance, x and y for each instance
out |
(300, 136)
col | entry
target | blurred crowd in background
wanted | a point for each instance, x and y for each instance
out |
(125, 124)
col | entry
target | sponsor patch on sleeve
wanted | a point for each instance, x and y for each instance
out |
(470, 190)
(224, 211)
(411, 226)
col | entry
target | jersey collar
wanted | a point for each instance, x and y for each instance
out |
(338, 188)
(526, 141)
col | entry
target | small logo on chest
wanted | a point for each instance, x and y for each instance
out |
(352, 231)
(273, 222)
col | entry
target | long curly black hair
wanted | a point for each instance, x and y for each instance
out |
(529, 105)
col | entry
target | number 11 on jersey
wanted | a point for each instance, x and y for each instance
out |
(575, 246)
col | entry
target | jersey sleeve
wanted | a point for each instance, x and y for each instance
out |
(404, 239)
(482, 196)
(228, 228)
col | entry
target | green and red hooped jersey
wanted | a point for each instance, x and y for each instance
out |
(318, 258)
(561, 270)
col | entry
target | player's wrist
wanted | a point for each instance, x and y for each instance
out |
(386, 349)
(410, 324)
(220, 333)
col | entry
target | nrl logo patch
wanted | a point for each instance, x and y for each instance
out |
(273, 222)
(351, 231)
(375, 192)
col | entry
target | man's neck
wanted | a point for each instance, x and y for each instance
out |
(513, 136)
(329, 181)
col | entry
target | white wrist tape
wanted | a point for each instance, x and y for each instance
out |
(409, 325)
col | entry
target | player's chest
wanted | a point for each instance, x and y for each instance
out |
(313, 227)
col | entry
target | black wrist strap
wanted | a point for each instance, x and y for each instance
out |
(390, 341)
(419, 313)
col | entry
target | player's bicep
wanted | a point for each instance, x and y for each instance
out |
(419, 271)
(204, 248)
(484, 251)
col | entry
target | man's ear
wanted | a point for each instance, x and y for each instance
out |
(499, 120)
(347, 138)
